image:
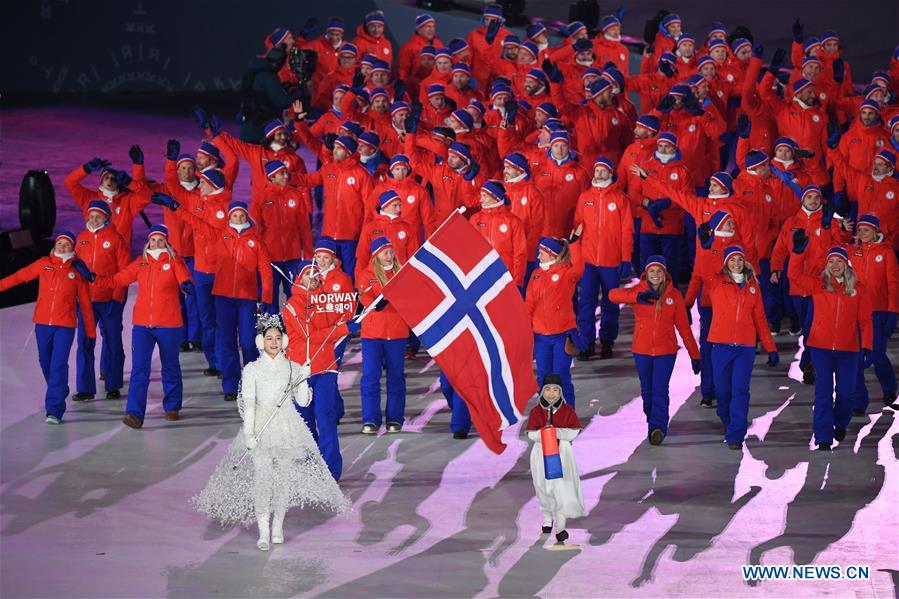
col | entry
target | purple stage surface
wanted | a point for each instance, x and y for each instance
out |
(94, 509)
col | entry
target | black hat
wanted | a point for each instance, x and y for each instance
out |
(551, 379)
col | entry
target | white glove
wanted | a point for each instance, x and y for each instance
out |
(534, 436)
(566, 434)
(251, 441)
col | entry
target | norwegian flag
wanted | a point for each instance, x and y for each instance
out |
(459, 298)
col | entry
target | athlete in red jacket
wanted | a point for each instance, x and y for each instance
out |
(526, 202)
(658, 311)
(370, 37)
(60, 288)
(390, 224)
(840, 340)
(103, 250)
(560, 175)
(502, 229)
(417, 207)
(425, 35)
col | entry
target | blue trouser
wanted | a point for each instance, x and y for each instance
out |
(378, 355)
(143, 340)
(447, 390)
(460, 419)
(769, 291)
(549, 353)
(236, 323)
(529, 270)
(53, 347)
(636, 258)
(203, 282)
(662, 245)
(190, 314)
(109, 320)
(706, 372)
(883, 368)
(689, 242)
(289, 268)
(860, 397)
(321, 417)
(413, 343)
(346, 251)
(830, 414)
(655, 375)
(339, 350)
(733, 370)
(801, 305)
(594, 280)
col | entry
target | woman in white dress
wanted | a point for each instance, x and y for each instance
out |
(286, 468)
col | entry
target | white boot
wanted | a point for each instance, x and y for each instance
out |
(278, 528)
(263, 542)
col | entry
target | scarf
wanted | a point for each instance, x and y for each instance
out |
(239, 228)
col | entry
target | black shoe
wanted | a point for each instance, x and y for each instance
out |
(795, 329)
(656, 436)
(774, 326)
(185, 347)
(587, 353)
(605, 350)
(839, 434)
(197, 346)
(889, 399)
(707, 402)
(460, 435)
(823, 446)
(114, 394)
(230, 396)
(547, 529)
(212, 372)
(808, 375)
(858, 412)
(735, 446)
(561, 537)
(82, 396)
(102, 377)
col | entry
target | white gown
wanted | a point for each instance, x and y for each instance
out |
(560, 496)
(286, 468)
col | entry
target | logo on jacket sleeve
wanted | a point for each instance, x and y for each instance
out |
(691, 128)
(612, 206)
(410, 199)
(106, 245)
(569, 177)
(401, 234)
(166, 267)
(878, 258)
(669, 301)
(251, 243)
(220, 214)
(351, 180)
(816, 118)
(752, 289)
(71, 275)
(673, 176)
(292, 203)
(890, 195)
(335, 287)
(555, 277)
(524, 200)
(503, 228)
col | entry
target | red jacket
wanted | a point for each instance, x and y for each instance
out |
(385, 324)
(124, 205)
(157, 288)
(59, 287)
(181, 236)
(409, 60)
(549, 294)
(821, 239)
(401, 235)
(324, 329)
(379, 47)
(563, 184)
(506, 234)
(837, 316)
(758, 196)
(654, 324)
(880, 198)
(601, 131)
(450, 188)
(527, 203)
(608, 235)
(418, 209)
(257, 156)
(738, 316)
(876, 268)
(858, 146)
(708, 263)
(213, 206)
(697, 137)
(105, 253)
(238, 259)
(282, 216)
(346, 187)
(661, 179)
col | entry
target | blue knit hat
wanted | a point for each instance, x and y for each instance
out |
(887, 156)
(436, 89)
(375, 17)
(717, 219)
(869, 220)
(461, 150)
(335, 24)
(325, 244)
(352, 127)
(400, 159)
(278, 35)
(378, 91)
(549, 109)
(457, 45)
(829, 36)
(371, 138)
(800, 84)
(398, 106)
(380, 244)
(655, 260)
(583, 45)
(462, 117)
(714, 43)
(238, 205)
(461, 67)
(807, 190)
(668, 57)
(498, 89)
(614, 77)
(535, 30)
(680, 90)
(574, 27)
(550, 245)
(518, 161)
(65, 235)
(738, 43)
(539, 76)
(210, 150)
(716, 27)
(809, 44)
(755, 158)
(495, 189)
(438, 52)
(560, 135)
(724, 179)
(667, 137)
(670, 19)
(838, 252)
(531, 47)
(732, 250)
(603, 161)
(387, 197)
(648, 121)
(694, 80)
(379, 65)
(685, 37)
(493, 10)
(704, 60)
(511, 40)
(185, 158)
(274, 166)
(423, 19)
(213, 177)
(349, 144)
(304, 266)
(273, 127)
(99, 205)
(158, 230)
(477, 106)
(428, 51)
(599, 86)
(786, 141)
(608, 22)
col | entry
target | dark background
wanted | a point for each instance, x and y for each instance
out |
(82, 47)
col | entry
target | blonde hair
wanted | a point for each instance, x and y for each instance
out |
(849, 280)
(564, 256)
(168, 248)
(662, 287)
(379, 271)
